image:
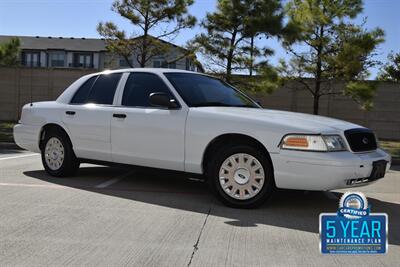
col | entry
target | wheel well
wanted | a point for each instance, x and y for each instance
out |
(224, 139)
(47, 128)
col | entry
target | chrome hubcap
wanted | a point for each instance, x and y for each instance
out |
(241, 176)
(54, 153)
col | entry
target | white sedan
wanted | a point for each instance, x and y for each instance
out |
(197, 124)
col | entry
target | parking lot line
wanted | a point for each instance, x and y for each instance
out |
(22, 156)
(113, 181)
(32, 185)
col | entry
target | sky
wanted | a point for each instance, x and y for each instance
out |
(78, 18)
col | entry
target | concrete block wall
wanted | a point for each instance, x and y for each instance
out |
(384, 118)
(16, 85)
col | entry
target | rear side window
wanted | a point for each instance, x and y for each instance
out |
(82, 93)
(98, 90)
(138, 88)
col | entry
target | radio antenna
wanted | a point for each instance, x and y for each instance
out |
(30, 88)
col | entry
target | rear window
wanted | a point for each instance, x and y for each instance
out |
(98, 90)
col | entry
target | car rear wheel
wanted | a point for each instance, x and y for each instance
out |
(58, 158)
(241, 176)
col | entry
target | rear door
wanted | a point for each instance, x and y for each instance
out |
(144, 135)
(88, 117)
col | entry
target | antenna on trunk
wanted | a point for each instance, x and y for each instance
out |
(30, 89)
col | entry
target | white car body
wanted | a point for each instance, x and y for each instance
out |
(177, 139)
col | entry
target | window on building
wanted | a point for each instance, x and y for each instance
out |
(172, 65)
(57, 59)
(156, 64)
(31, 59)
(164, 64)
(98, 90)
(190, 65)
(138, 88)
(187, 64)
(124, 64)
(83, 60)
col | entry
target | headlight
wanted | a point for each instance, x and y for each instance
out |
(313, 142)
(334, 142)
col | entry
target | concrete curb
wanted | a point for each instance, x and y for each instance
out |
(9, 145)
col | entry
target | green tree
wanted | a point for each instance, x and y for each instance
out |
(228, 44)
(9, 52)
(154, 21)
(264, 20)
(267, 80)
(328, 46)
(391, 70)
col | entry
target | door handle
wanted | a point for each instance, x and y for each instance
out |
(121, 116)
(69, 112)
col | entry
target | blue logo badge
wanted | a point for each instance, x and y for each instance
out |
(353, 229)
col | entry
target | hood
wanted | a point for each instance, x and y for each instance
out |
(306, 123)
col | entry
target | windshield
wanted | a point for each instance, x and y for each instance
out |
(200, 91)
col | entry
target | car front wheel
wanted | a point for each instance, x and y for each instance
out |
(58, 157)
(241, 176)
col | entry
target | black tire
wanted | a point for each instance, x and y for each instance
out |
(70, 163)
(214, 166)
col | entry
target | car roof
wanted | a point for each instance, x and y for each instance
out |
(67, 94)
(152, 70)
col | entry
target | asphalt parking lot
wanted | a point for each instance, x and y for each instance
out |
(114, 216)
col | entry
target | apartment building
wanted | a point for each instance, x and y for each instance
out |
(90, 53)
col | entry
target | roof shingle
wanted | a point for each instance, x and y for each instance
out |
(60, 43)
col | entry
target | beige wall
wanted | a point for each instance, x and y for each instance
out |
(384, 118)
(47, 84)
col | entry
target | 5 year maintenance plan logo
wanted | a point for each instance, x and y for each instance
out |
(353, 229)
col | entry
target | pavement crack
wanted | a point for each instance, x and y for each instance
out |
(196, 245)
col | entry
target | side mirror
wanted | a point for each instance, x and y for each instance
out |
(159, 99)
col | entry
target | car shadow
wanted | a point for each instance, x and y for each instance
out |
(395, 167)
(7, 151)
(291, 209)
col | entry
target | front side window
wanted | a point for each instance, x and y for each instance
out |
(199, 91)
(98, 90)
(138, 88)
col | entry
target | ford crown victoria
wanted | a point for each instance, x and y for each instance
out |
(197, 124)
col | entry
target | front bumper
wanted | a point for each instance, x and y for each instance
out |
(27, 137)
(324, 171)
